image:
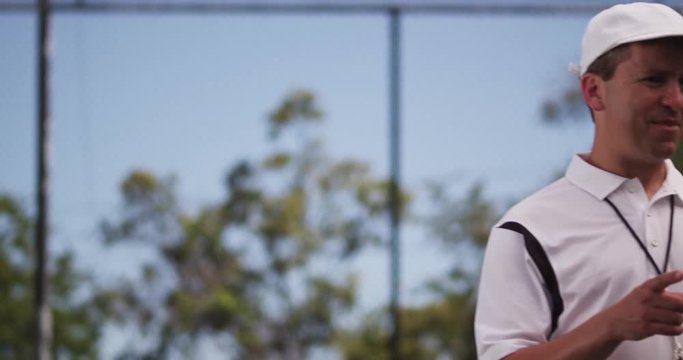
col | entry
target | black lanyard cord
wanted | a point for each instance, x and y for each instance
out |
(642, 244)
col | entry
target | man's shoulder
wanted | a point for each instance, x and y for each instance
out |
(550, 201)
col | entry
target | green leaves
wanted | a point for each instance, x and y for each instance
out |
(443, 327)
(299, 107)
(565, 106)
(277, 161)
(241, 266)
(150, 210)
(75, 316)
(252, 268)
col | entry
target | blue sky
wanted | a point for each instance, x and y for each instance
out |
(188, 95)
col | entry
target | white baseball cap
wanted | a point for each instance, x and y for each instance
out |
(626, 23)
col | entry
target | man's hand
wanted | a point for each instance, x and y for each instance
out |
(648, 310)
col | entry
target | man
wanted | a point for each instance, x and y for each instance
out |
(590, 266)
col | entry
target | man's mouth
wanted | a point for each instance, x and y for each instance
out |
(667, 123)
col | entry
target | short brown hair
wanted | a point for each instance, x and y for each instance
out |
(606, 64)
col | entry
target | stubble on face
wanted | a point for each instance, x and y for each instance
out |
(644, 104)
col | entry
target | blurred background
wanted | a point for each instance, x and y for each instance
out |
(272, 179)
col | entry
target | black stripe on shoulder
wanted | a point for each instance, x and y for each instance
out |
(538, 255)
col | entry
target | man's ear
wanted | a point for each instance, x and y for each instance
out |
(591, 85)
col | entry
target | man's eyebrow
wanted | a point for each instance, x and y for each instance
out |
(654, 71)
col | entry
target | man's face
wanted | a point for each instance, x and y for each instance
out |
(643, 102)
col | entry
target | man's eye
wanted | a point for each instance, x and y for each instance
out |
(654, 80)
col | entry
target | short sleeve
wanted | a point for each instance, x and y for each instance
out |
(513, 308)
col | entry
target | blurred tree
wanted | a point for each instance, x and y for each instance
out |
(566, 105)
(443, 328)
(258, 269)
(76, 316)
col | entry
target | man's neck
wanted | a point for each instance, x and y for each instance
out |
(650, 174)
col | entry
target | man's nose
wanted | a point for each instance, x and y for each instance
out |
(674, 96)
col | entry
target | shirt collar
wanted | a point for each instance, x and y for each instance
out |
(673, 184)
(601, 183)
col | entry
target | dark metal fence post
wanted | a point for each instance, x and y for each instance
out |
(43, 326)
(395, 182)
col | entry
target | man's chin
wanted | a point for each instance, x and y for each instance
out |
(665, 152)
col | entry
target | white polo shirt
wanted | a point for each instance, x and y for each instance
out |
(587, 249)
